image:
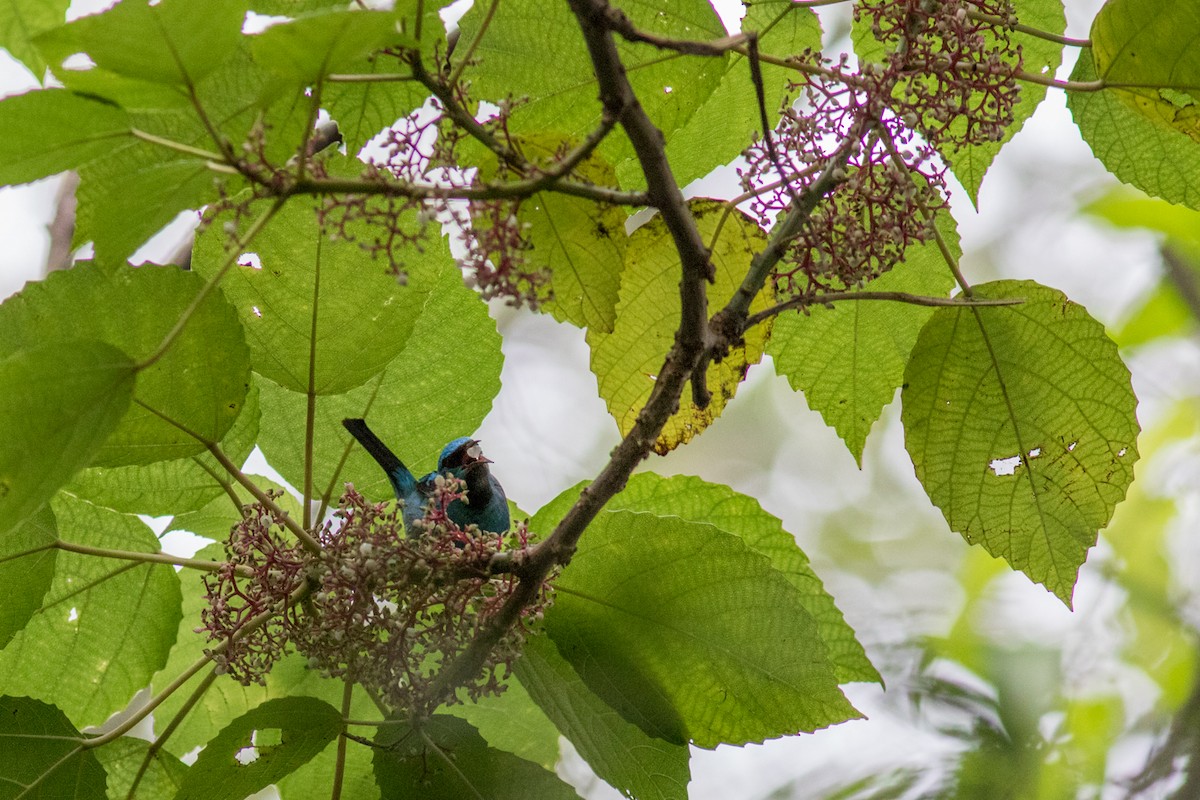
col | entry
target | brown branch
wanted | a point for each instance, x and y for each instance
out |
(618, 97)
(616, 21)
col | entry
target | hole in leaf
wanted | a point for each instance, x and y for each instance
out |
(78, 62)
(250, 260)
(1005, 466)
(1035, 452)
(257, 313)
(1122, 451)
(667, 90)
(72, 615)
(247, 755)
(1071, 446)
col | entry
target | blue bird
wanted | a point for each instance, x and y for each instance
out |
(485, 505)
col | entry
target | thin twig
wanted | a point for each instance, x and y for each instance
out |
(896, 297)
(149, 558)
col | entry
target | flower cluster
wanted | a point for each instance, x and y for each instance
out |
(874, 139)
(260, 574)
(383, 609)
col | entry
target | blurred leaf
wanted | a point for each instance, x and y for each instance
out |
(141, 306)
(626, 362)
(122, 759)
(177, 41)
(106, 624)
(21, 21)
(849, 360)
(26, 579)
(318, 314)
(214, 519)
(41, 748)
(260, 747)
(737, 657)
(438, 388)
(324, 42)
(620, 753)
(61, 402)
(413, 763)
(48, 131)
(1020, 423)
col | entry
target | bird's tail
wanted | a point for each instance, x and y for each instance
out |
(401, 477)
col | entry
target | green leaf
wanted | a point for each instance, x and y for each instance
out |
(736, 658)
(1039, 56)
(633, 762)
(26, 578)
(580, 243)
(364, 108)
(177, 41)
(48, 131)
(626, 361)
(39, 747)
(1020, 423)
(849, 360)
(21, 20)
(141, 306)
(512, 722)
(696, 500)
(1138, 138)
(62, 401)
(171, 487)
(106, 624)
(413, 763)
(1148, 43)
(319, 315)
(525, 36)
(728, 120)
(122, 760)
(260, 747)
(440, 387)
(313, 46)
(215, 519)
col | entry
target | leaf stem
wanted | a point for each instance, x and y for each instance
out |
(178, 147)
(310, 544)
(339, 765)
(148, 558)
(168, 731)
(830, 298)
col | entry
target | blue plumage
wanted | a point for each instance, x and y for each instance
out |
(485, 505)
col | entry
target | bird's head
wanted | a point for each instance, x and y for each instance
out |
(462, 455)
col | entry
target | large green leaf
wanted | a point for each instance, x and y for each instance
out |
(1144, 130)
(440, 387)
(171, 487)
(122, 760)
(175, 42)
(21, 20)
(52, 130)
(26, 579)
(513, 722)
(727, 120)
(579, 243)
(1039, 56)
(525, 36)
(737, 657)
(106, 624)
(411, 763)
(40, 748)
(319, 314)
(849, 360)
(140, 307)
(626, 361)
(1020, 423)
(309, 48)
(260, 747)
(696, 500)
(621, 753)
(61, 401)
